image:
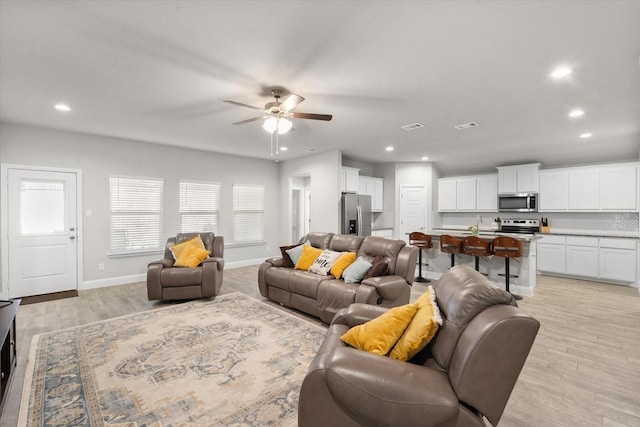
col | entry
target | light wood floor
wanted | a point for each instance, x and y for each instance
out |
(583, 370)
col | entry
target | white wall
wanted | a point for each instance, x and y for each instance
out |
(324, 174)
(98, 157)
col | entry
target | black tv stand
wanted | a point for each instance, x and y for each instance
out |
(8, 353)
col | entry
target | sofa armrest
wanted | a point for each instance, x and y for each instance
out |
(275, 261)
(218, 260)
(376, 389)
(389, 287)
(357, 314)
(154, 285)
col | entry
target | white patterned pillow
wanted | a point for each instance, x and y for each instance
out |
(323, 263)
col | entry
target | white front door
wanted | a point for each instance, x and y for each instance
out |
(42, 231)
(412, 210)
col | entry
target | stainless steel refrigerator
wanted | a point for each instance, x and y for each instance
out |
(356, 214)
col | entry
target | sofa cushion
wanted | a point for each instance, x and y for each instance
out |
(286, 259)
(320, 240)
(305, 283)
(324, 262)
(191, 257)
(345, 260)
(379, 267)
(345, 243)
(380, 334)
(374, 246)
(173, 277)
(334, 295)
(356, 271)
(309, 254)
(421, 329)
(295, 252)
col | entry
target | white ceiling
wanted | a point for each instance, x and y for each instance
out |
(158, 71)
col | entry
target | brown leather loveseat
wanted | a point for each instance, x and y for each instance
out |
(323, 296)
(466, 373)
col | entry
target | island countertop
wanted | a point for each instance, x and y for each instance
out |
(483, 234)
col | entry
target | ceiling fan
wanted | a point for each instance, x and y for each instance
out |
(276, 115)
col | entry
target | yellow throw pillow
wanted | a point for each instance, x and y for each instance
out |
(421, 329)
(345, 260)
(191, 257)
(177, 249)
(380, 334)
(309, 254)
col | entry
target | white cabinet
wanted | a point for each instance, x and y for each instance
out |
(373, 187)
(447, 194)
(584, 189)
(619, 188)
(582, 256)
(384, 232)
(604, 258)
(487, 193)
(518, 178)
(468, 193)
(618, 260)
(350, 179)
(554, 190)
(551, 255)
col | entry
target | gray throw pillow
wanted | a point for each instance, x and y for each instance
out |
(356, 271)
(295, 253)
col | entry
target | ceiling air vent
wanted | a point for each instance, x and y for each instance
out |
(467, 125)
(412, 126)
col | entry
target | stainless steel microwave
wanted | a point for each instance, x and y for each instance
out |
(518, 202)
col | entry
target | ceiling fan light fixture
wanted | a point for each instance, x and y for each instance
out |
(270, 125)
(282, 125)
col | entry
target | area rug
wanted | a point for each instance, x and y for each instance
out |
(232, 361)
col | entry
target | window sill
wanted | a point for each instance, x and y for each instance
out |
(245, 244)
(129, 254)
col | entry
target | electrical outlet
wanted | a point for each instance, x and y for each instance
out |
(101, 266)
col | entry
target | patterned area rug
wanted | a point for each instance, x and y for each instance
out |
(233, 361)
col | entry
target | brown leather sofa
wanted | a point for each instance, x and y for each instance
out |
(465, 374)
(166, 282)
(323, 296)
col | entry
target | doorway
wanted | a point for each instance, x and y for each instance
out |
(300, 194)
(413, 209)
(41, 252)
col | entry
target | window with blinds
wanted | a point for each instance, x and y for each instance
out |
(136, 214)
(199, 206)
(248, 213)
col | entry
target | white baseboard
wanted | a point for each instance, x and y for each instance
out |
(142, 277)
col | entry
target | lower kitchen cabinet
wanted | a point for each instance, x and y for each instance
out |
(618, 260)
(606, 259)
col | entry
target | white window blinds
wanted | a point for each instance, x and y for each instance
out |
(136, 214)
(248, 213)
(199, 206)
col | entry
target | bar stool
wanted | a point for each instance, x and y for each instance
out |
(450, 245)
(476, 247)
(421, 241)
(507, 247)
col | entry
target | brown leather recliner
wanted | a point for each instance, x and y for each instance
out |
(166, 282)
(467, 371)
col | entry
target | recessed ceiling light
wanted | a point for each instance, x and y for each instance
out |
(389, 148)
(561, 72)
(283, 148)
(586, 135)
(425, 158)
(412, 126)
(576, 113)
(62, 107)
(466, 125)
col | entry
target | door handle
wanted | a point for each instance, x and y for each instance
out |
(72, 237)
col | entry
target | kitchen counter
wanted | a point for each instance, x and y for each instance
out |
(592, 233)
(483, 234)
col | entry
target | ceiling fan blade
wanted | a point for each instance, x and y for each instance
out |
(240, 104)
(325, 117)
(291, 101)
(248, 120)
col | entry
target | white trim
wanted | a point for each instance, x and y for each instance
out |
(4, 222)
(142, 277)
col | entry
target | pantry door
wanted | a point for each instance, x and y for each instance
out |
(42, 231)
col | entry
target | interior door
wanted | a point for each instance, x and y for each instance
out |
(42, 231)
(413, 209)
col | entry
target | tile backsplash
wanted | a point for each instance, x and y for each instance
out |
(579, 221)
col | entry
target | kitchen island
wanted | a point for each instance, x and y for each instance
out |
(525, 267)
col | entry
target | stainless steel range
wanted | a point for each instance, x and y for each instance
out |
(522, 226)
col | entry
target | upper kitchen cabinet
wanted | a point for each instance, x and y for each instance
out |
(518, 178)
(373, 187)
(554, 190)
(468, 193)
(612, 188)
(350, 179)
(619, 188)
